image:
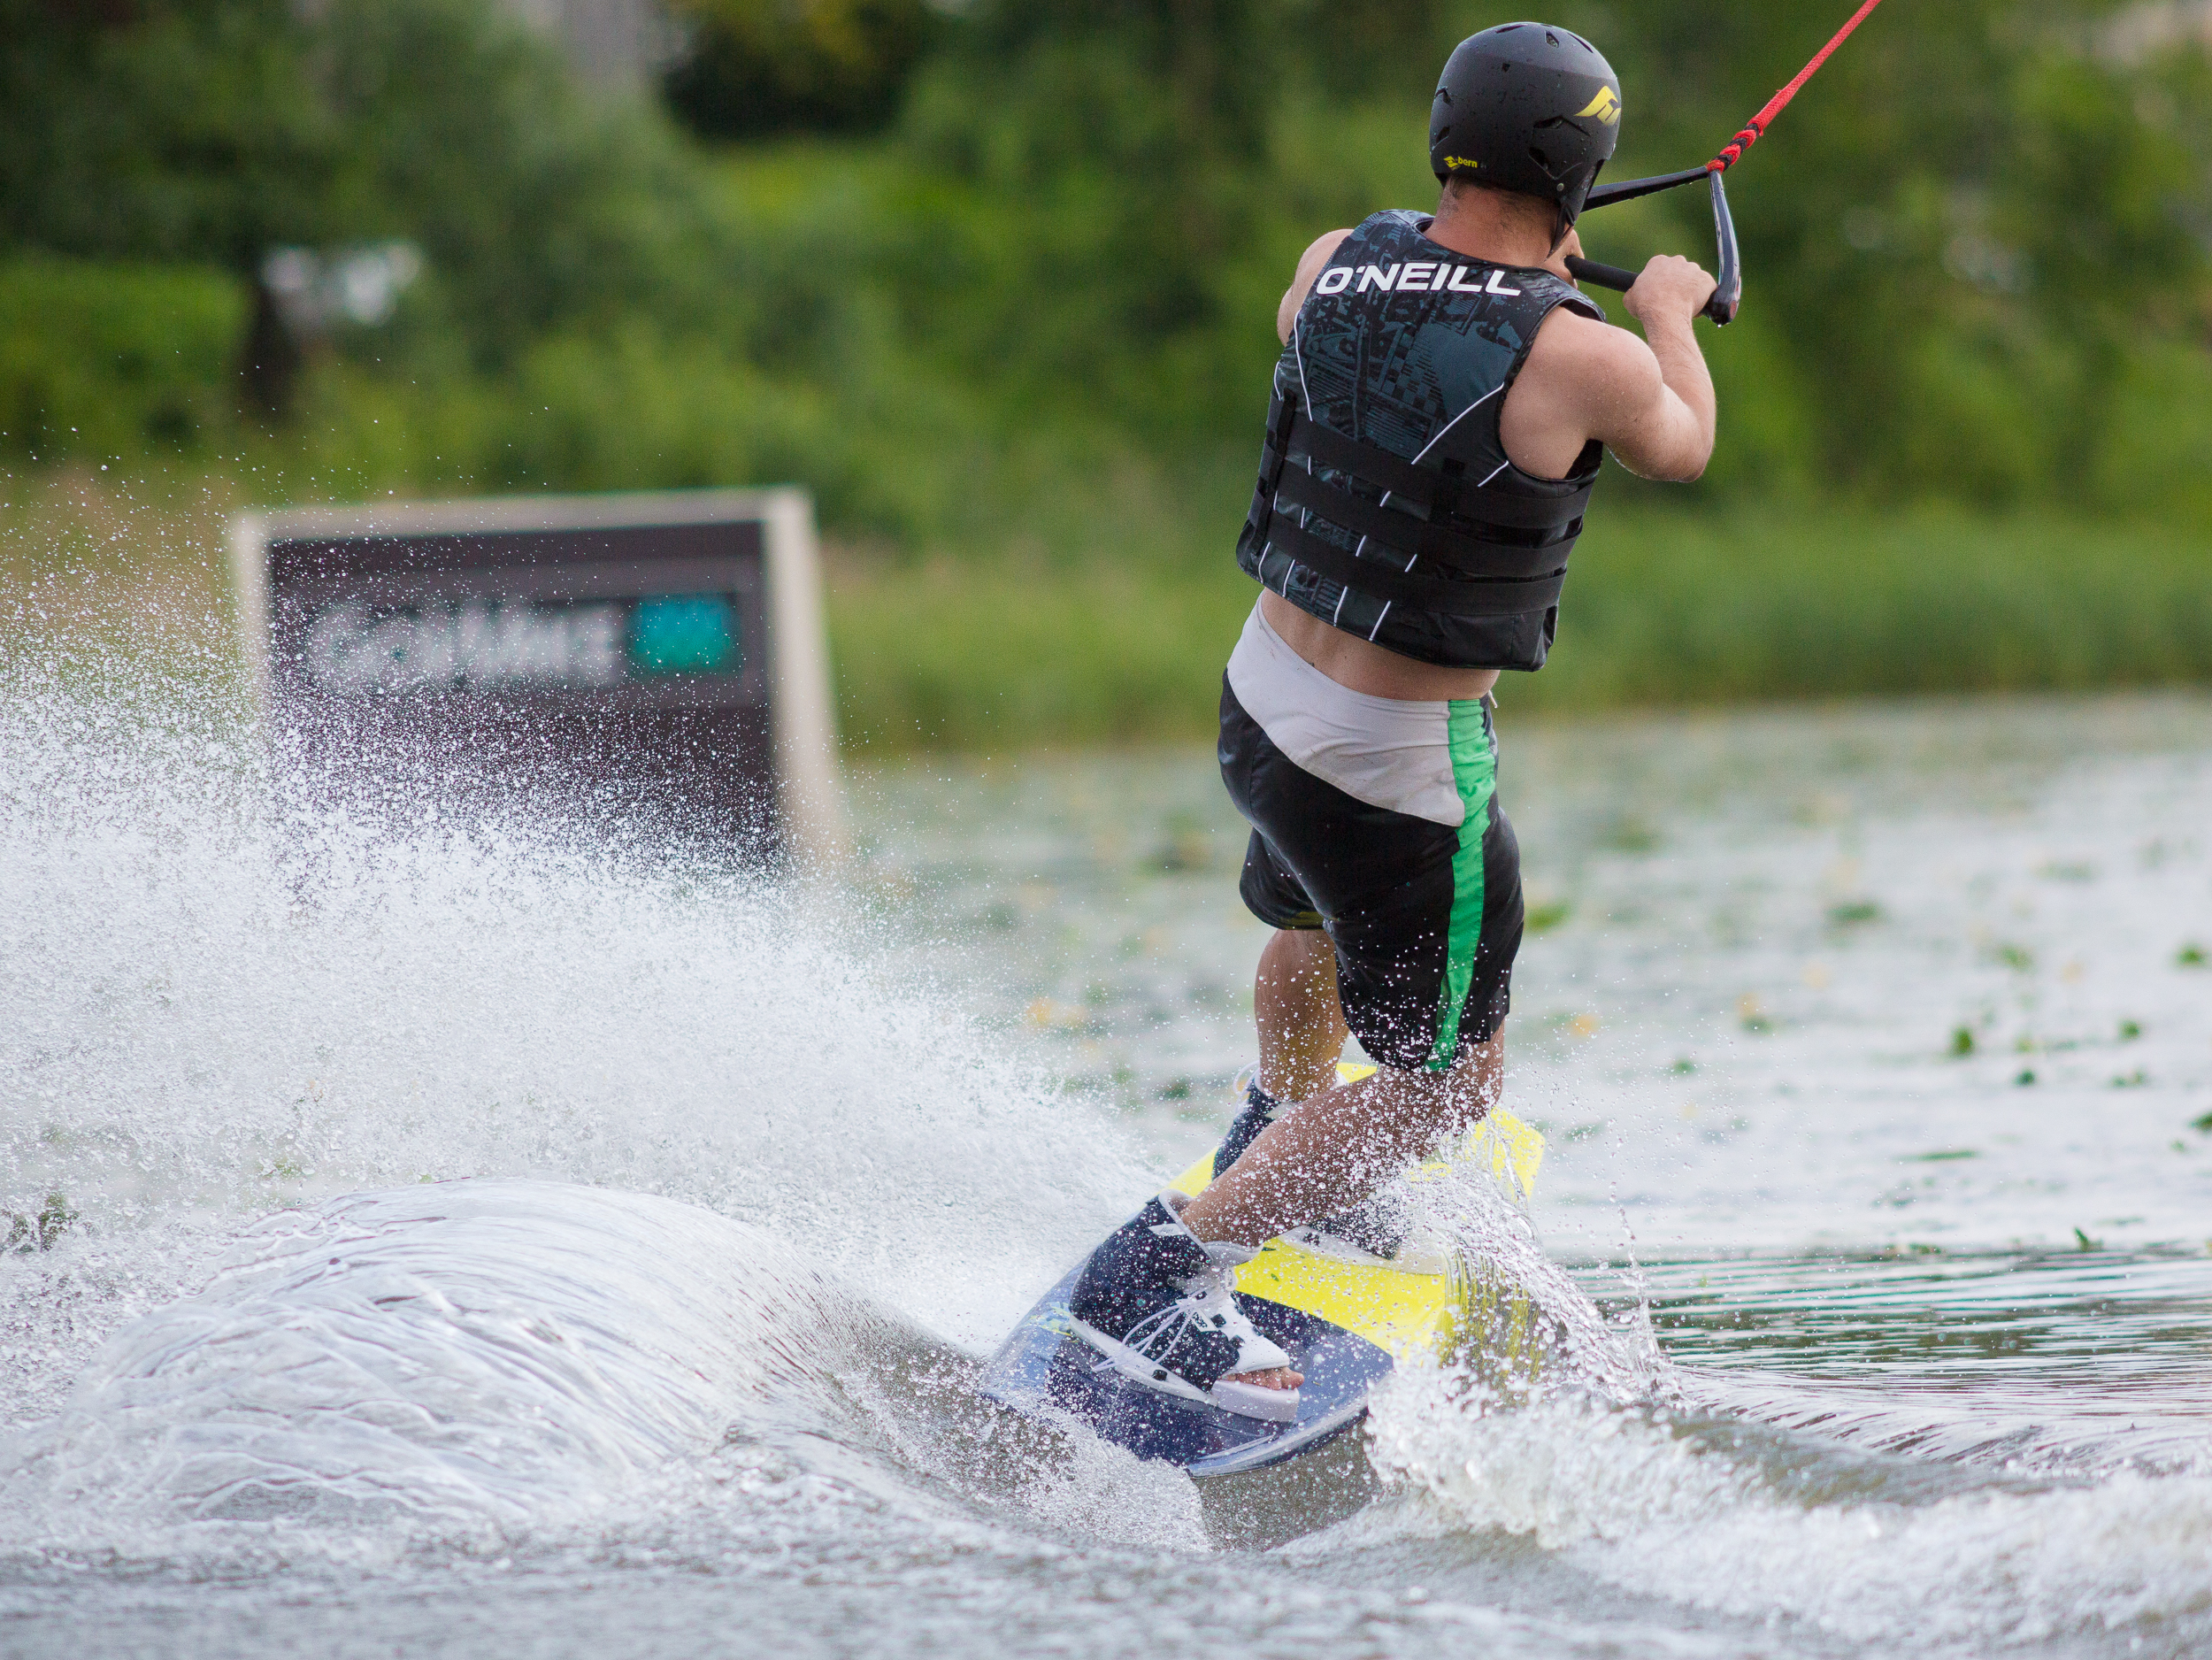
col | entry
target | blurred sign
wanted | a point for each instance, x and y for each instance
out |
(657, 658)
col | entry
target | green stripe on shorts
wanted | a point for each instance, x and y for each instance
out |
(1475, 770)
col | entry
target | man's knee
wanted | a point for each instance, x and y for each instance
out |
(1301, 961)
(1302, 946)
(1437, 1105)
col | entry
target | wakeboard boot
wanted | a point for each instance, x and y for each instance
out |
(1157, 1302)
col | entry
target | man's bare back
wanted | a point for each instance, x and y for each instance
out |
(1649, 402)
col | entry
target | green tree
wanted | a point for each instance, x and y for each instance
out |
(755, 68)
(178, 129)
(1962, 232)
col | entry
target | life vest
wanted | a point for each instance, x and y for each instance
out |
(1386, 505)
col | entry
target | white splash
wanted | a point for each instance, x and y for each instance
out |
(494, 1351)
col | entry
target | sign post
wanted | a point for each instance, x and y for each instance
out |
(658, 657)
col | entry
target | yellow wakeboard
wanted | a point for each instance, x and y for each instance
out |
(1346, 1317)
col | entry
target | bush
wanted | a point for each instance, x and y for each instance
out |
(755, 67)
(105, 361)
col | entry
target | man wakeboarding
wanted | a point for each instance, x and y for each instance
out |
(1442, 404)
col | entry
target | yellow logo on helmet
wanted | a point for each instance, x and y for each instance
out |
(1606, 106)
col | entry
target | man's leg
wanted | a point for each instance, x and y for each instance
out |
(1338, 1147)
(1428, 915)
(1343, 1143)
(1302, 1024)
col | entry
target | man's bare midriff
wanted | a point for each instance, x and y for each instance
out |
(1362, 666)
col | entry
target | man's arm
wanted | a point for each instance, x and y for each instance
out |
(1649, 401)
(1310, 268)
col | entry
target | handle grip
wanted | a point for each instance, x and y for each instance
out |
(1604, 276)
(1727, 297)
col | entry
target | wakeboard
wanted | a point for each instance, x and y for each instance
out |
(1345, 1319)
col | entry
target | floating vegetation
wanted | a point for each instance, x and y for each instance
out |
(2026, 1077)
(2201, 1124)
(2129, 1030)
(1544, 918)
(1852, 913)
(43, 1231)
(1628, 834)
(2082, 1241)
(2017, 957)
(1753, 1014)
(2135, 1080)
(2191, 955)
(1945, 1155)
(1962, 1041)
(1187, 846)
(1683, 1066)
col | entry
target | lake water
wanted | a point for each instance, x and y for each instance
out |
(1871, 1044)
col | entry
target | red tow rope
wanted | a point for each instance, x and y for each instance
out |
(1728, 294)
(1755, 129)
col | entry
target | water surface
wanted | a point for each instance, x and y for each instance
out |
(461, 1239)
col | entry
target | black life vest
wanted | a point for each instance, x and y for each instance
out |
(1386, 505)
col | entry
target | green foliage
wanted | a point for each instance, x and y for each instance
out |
(755, 68)
(211, 131)
(1664, 609)
(180, 129)
(1783, 602)
(1976, 244)
(1970, 234)
(105, 360)
(1017, 343)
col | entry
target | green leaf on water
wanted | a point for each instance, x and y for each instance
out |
(2082, 1241)
(1961, 1041)
(1543, 918)
(42, 1232)
(2027, 1076)
(1628, 834)
(1854, 911)
(2192, 955)
(2202, 1123)
(2129, 1030)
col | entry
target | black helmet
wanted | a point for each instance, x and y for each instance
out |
(1527, 107)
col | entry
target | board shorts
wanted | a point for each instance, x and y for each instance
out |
(1377, 821)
